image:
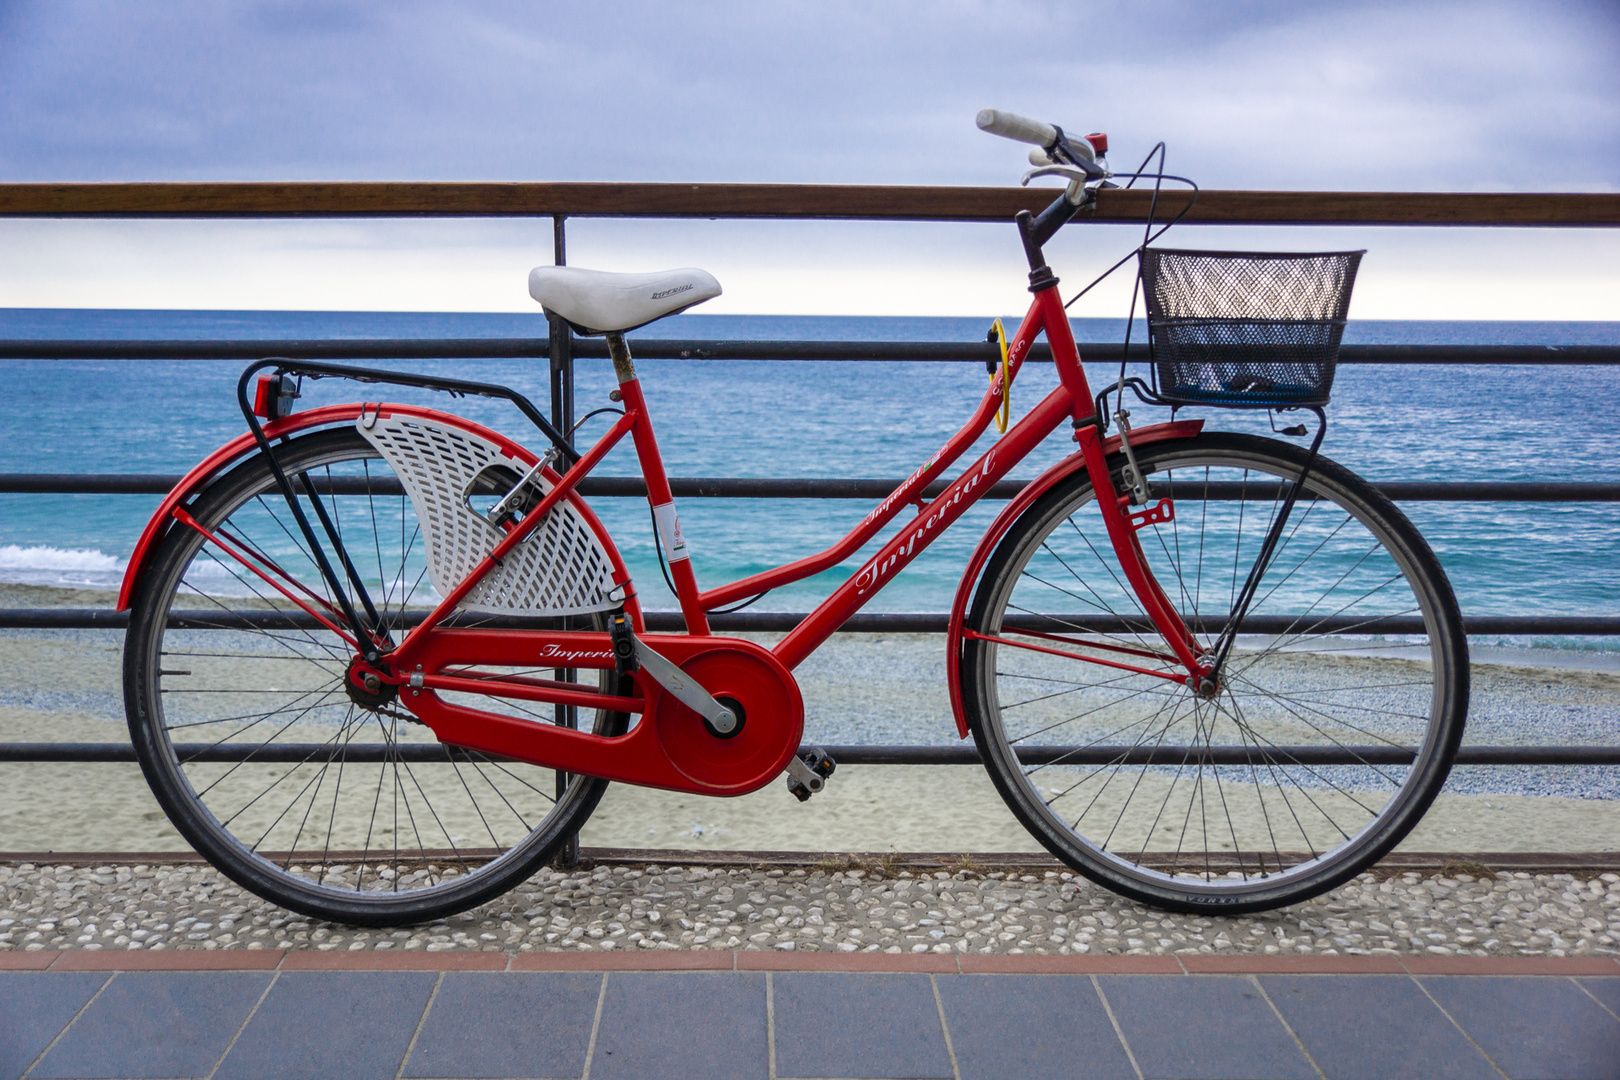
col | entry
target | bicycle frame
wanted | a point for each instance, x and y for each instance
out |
(417, 665)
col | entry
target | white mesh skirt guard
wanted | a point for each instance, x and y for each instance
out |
(561, 568)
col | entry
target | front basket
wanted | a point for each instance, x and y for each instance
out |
(1244, 329)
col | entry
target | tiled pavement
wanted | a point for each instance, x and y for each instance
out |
(712, 1015)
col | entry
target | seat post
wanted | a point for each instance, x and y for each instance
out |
(622, 367)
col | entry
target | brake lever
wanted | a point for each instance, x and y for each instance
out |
(1068, 172)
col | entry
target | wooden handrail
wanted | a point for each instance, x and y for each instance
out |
(850, 202)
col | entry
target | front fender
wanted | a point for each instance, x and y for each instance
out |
(1176, 429)
(245, 445)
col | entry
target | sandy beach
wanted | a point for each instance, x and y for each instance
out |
(65, 686)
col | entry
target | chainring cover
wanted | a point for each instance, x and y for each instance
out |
(771, 727)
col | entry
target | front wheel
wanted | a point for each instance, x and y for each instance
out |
(328, 801)
(1336, 714)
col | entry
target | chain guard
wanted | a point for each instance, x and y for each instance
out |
(769, 735)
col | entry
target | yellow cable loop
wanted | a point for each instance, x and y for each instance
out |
(1004, 415)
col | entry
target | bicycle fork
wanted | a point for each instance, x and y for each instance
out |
(1122, 526)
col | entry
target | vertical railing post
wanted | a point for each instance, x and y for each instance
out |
(562, 415)
(562, 345)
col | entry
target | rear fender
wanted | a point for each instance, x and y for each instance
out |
(1153, 433)
(243, 446)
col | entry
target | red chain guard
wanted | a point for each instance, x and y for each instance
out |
(668, 747)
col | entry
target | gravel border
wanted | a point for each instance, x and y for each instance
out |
(150, 906)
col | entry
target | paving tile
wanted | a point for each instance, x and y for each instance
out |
(858, 1024)
(353, 1024)
(156, 1023)
(535, 1024)
(169, 960)
(388, 960)
(1367, 1026)
(1207, 964)
(1605, 990)
(1202, 1027)
(832, 961)
(1533, 1026)
(28, 961)
(1002, 963)
(643, 960)
(679, 1025)
(1030, 1027)
(34, 1008)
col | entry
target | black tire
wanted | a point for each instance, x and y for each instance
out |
(1221, 803)
(369, 837)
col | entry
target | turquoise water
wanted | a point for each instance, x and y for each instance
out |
(745, 418)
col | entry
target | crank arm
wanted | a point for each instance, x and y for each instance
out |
(681, 685)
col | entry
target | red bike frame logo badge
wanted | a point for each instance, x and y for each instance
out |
(939, 510)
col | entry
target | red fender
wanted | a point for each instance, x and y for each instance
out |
(1178, 429)
(243, 445)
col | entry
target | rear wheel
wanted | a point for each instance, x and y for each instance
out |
(1338, 710)
(331, 802)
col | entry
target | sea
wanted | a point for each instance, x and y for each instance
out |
(835, 419)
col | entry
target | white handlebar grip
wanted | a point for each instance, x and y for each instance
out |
(1018, 128)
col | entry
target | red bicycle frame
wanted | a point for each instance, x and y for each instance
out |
(434, 658)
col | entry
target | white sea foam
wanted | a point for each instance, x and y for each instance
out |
(61, 567)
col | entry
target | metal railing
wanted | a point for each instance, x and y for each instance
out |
(559, 201)
(795, 488)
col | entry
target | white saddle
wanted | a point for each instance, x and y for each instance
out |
(595, 302)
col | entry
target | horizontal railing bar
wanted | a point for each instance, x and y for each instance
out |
(1225, 755)
(413, 753)
(979, 352)
(860, 623)
(681, 349)
(806, 487)
(277, 199)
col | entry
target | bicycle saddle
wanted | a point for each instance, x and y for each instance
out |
(595, 302)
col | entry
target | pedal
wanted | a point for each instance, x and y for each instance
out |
(808, 772)
(624, 644)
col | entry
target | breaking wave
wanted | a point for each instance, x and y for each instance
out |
(68, 568)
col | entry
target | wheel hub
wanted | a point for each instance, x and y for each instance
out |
(365, 689)
(1208, 684)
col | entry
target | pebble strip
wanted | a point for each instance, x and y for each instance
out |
(629, 907)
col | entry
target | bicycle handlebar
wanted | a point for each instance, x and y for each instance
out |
(1018, 128)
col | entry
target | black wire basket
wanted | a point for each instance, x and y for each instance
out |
(1246, 329)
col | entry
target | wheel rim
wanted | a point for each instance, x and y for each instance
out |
(1236, 794)
(341, 806)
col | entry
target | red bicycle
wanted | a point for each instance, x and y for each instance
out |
(382, 660)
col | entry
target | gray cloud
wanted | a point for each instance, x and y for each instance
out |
(1398, 96)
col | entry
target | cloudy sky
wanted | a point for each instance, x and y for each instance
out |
(1411, 96)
